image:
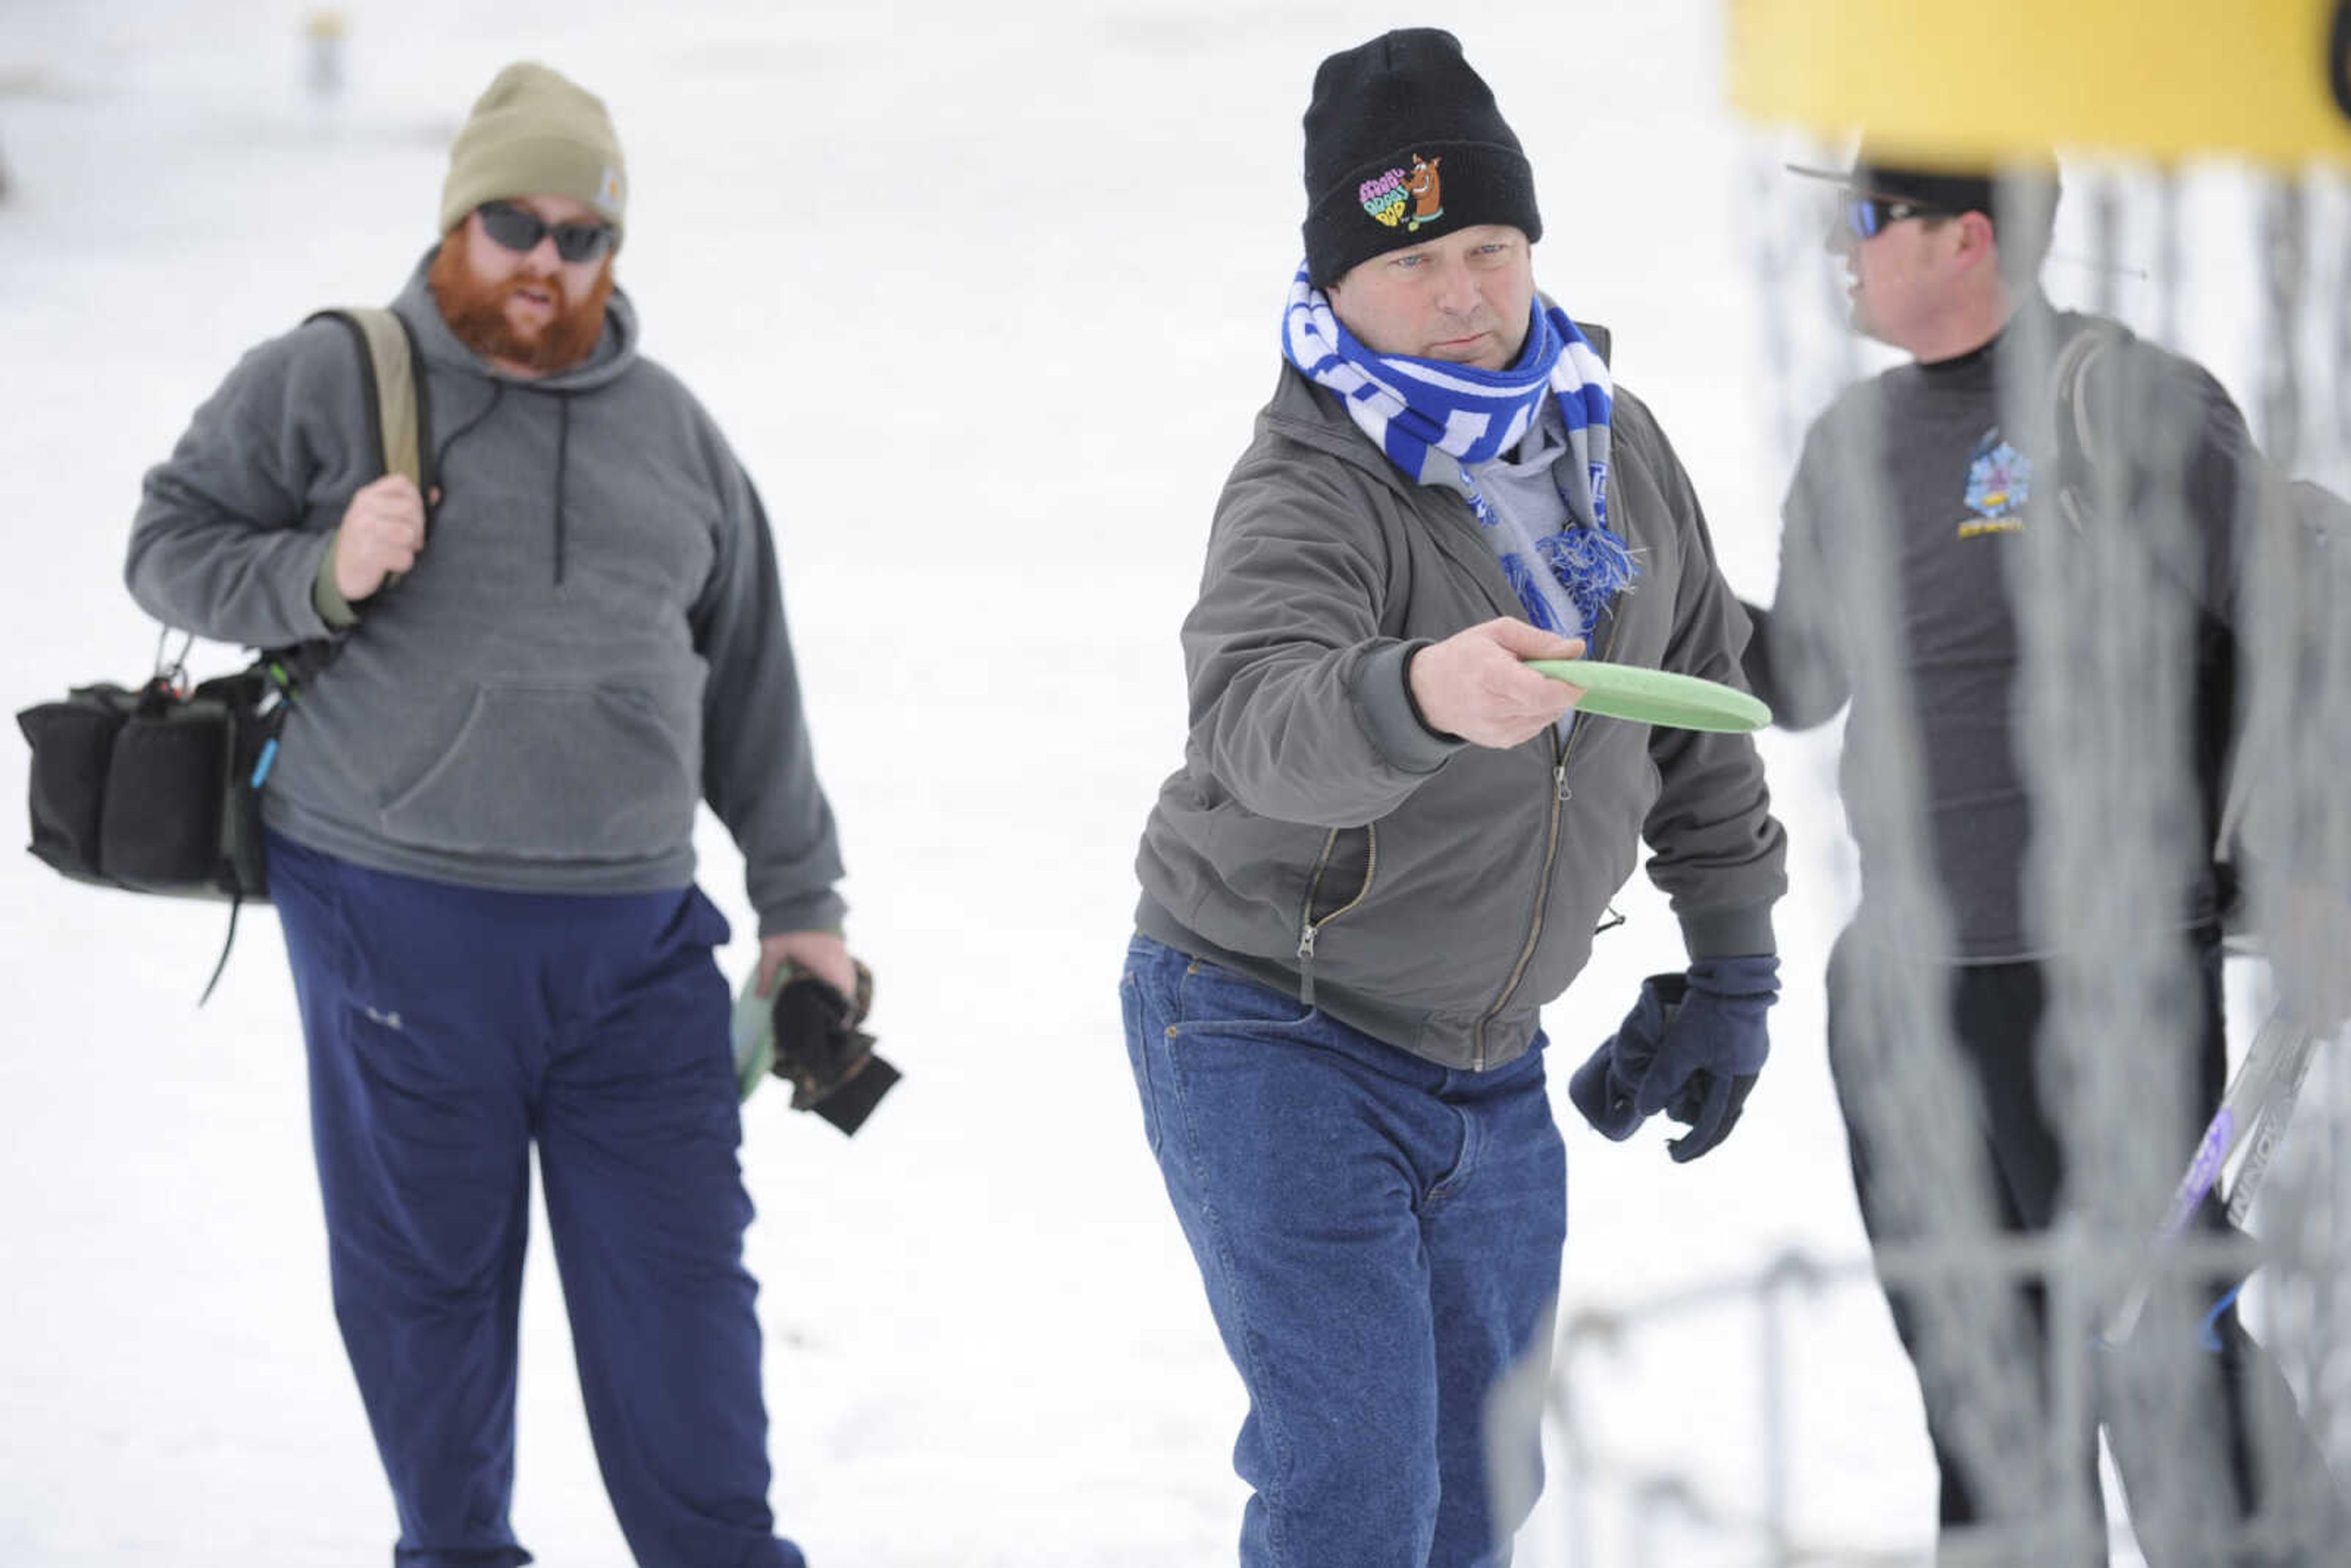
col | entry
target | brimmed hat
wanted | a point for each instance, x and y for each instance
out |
(1950, 188)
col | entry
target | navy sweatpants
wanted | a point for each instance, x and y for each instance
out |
(449, 1029)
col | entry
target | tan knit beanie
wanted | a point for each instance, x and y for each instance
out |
(535, 132)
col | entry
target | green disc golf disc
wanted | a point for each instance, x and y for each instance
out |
(1657, 696)
(753, 1033)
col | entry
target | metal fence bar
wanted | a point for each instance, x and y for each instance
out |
(2066, 1256)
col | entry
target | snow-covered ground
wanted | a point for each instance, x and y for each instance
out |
(985, 297)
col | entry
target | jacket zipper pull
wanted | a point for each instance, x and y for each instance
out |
(1558, 783)
(1306, 964)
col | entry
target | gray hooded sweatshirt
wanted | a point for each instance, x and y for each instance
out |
(1319, 837)
(591, 642)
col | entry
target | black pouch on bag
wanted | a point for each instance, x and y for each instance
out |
(73, 744)
(159, 828)
(151, 789)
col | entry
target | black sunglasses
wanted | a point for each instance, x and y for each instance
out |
(520, 230)
(1865, 217)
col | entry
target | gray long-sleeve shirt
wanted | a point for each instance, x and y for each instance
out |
(592, 641)
(1921, 454)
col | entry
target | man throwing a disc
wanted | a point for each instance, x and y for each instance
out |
(1390, 842)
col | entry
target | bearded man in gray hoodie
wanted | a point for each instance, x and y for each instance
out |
(480, 838)
(1390, 842)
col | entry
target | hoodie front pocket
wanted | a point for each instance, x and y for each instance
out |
(552, 773)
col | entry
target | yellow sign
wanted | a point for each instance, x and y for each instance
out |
(1988, 78)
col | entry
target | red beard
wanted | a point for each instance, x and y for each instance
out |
(476, 313)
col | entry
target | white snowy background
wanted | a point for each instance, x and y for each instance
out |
(986, 298)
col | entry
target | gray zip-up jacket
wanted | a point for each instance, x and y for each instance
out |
(591, 642)
(1320, 838)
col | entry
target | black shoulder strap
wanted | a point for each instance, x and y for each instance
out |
(394, 387)
(400, 424)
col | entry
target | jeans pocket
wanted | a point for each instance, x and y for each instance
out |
(1217, 1001)
(1138, 1052)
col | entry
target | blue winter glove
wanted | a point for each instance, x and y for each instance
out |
(1691, 1047)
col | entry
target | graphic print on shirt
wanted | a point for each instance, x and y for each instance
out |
(1999, 482)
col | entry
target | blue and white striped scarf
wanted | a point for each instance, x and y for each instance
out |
(1414, 407)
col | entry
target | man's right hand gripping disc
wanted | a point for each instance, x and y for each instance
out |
(807, 1033)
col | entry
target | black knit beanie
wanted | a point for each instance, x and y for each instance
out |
(1403, 144)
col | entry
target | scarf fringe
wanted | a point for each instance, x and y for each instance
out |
(1593, 565)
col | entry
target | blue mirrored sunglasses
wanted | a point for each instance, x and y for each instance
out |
(1865, 217)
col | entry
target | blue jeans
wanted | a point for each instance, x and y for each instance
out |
(1380, 1239)
(450, 1030)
